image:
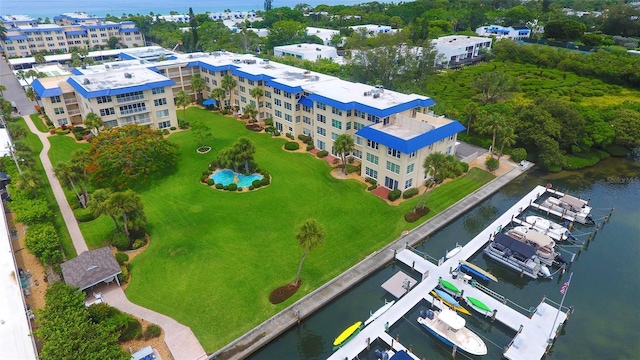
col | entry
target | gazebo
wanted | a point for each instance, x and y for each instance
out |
(91, 268)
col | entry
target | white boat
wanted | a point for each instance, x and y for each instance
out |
(379, 312)
(548, 227)
(453, 252)
(544, 245)
(570, 207)
(450, 328)
(516, 255)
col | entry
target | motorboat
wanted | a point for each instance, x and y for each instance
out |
(516, 255)
(570, 207)
(380, 311)
(450, 328)
(545, 246)
(347, 335)
(550, 228)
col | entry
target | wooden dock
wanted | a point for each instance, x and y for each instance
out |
(532, 333)
(399, 284)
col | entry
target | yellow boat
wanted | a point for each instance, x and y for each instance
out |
(455, 306)
(346, 335)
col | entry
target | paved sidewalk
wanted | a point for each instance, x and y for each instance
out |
(285, 319)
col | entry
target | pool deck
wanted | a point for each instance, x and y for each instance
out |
(279, 323)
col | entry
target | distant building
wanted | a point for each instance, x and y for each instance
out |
(233, 15)
(311, 52)
(25, 37)
(455, 50)
(571, 12)
(501, 32)
(373, 30)
(325, 35)
(260, 32)
(183, 18)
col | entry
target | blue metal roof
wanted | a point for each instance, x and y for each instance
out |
(101, 26)
(287, 88)
(210, 67)
(408, 146)
(305, 101)
(248, 76)
(133, 29)
(123, 90)
(76, 32)
(371, 110)
(17, 37)
(76, 71)
(125, 56)
(42, 91)
(401, 355)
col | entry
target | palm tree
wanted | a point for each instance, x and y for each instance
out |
(3, 32)
(79, 162)
(257, 93)
(31, 94)
(228, 83)
(343, 145)
(219, 94)
(100, 205)
(65, 171)
(251, 111)
(197, 85)
(2, 89)
(93, 122)
(492, 124)
(507, 137)
(310, 236)
(29, 181)
(471, 110)
(244, 150)
(433, 164)
(125, 203)
(183, 100)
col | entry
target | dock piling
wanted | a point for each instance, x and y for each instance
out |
(368, 343)
(493, 316)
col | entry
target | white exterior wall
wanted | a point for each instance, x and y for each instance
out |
(310, 52)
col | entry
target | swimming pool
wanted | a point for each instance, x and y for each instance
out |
(226, 177)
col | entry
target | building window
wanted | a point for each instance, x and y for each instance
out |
(451, 138)
(336, 124)
(306, 120)
(243, 99)
(372, 144)
(408, 183)
(277, 102)
(357, 153)
(278, 113)
(371, 173)
(63, 122)
(410, 168)
(160, 102)
(277, 91)
(306, 109)
(287, 106)
(58, 110)
(348, 125)
(288, 117)
(394, 168)
(55, 99)
(393, 152)
(267, 94)
(162, 113)
(164, 124)
(412, 155)
(322, 118)
(334, 136)
(159, 90)
(448, 150)
(321, 106)
(103, 99)
(107, 111)
(321, 131)
(242, 88)
(336, 111)
(357, 126)
(250, 82)
(372, 158)
(321, 144)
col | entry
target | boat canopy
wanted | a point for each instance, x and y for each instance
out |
(516, 246)
(573, 201)
(452, 319)
(539, 239)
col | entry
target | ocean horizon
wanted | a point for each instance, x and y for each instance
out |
(41, 8)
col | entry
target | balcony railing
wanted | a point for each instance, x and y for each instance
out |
(70, 100)
(74, 112)
(134, 111)
(129, 98)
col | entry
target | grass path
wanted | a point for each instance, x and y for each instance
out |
(215, 256)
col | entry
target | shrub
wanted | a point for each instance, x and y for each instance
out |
(464, 166)
(304, 138)
(183, 124)
(268, 121)
(138, 243)
(518, 154)
(372, 187)
(617, 151)
(42, 241)
(83, 215)
(492, 163)
(322, 153)
(78, 129)
(292, 146)
(120, 241)
(253, 121)
(165, 131)
(122, 258)
(210, 182)
(256, 183)
(206, 173)
(131, 329)
(371, 181)
(265, 181)
(31, 211)
(226, 187)
(152, 331)
(353, 169)
(124, 275)
(219, 186)
(233, 187)
(409, 193)
(78, 136)
(310, 147)
(172, 128)
(240, 188)
(394, 195)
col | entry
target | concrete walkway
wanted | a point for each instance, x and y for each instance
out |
(279, 323)
(179, 338)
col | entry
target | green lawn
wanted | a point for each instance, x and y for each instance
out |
(65, 239)
(215, 256)
(62, 147)
(40, 125)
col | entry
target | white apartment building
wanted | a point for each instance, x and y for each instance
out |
(25, 38)
(183, 18)
(501, 32)
(393, 132)
(456, 50)
(310, 52)
(373, 30)
(325, 35)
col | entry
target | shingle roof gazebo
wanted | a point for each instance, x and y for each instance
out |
(91, 268)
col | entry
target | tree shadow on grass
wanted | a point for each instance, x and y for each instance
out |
(284, 292)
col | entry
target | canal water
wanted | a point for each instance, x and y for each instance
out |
(604, 290)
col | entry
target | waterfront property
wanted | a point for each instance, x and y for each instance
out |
(26, 37)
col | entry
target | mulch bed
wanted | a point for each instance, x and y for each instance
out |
(416, 214)
(283, 292)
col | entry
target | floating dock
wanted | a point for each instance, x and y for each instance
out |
(399, 284)
(532, 338)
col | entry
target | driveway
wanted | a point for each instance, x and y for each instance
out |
(14, 91)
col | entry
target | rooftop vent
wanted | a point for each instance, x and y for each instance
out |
(92, 267)
(128, 75)
(106, 66)
(86, 82)
(366, 93)
(318, 49)
(376, 95)
(83, 67)
(299, 45)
